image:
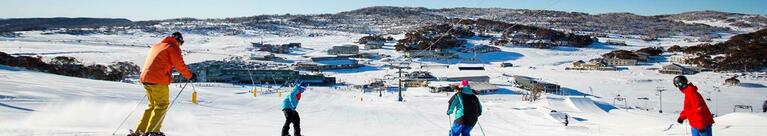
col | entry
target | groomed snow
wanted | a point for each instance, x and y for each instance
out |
(42, 104)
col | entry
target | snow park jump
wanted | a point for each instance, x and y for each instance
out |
(576, 104)
(363, 68)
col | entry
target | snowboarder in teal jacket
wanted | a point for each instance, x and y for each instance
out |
(289, 105)
(467, 109)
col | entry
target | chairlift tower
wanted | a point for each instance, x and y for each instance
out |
(660, 94)
(400, 83)
(716, 103)
(621, 98)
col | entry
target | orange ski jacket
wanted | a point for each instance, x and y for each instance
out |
(161, 59)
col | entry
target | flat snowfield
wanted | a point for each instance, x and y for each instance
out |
(35, 103)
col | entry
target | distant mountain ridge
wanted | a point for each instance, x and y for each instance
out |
(22, 24)
(730, 19)
(393, 20)
(701, 15)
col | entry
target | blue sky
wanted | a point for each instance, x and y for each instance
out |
(165, 9)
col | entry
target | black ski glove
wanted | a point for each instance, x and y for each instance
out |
(194, 77)
(680, 121)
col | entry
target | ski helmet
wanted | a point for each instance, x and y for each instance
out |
(464, 83)
(301, 86)
(680, 82)
(178, 37)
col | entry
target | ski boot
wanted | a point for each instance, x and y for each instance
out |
(156, 134)
(137, 133)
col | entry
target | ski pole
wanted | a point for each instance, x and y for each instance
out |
(480, 128)
(129, 114)
(171, 104)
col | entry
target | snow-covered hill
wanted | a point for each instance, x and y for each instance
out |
(734, 21)
(397, 20)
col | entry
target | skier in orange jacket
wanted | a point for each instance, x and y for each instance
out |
(156, 76)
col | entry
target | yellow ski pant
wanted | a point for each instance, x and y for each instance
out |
(155, 112)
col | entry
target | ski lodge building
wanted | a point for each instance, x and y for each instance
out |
(620, 62)
(344, 49)
(259, 76)
(681, 59)
(532, 84)
(677, 69)
(481, 87)
(275, 48)
(328, 63)
(591, 65)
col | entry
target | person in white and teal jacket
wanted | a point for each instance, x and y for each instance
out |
(289, 105)
(467, 109)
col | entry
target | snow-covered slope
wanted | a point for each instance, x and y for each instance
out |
(34, 103)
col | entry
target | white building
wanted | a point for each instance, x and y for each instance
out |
(621, 62)
(681, 59)
(677, 69)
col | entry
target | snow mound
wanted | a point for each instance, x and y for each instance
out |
(739, 118)
(737, 123)
(575, 104)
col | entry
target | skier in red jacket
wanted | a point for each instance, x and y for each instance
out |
(695, 109)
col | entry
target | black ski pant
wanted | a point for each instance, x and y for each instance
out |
(291, 116)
